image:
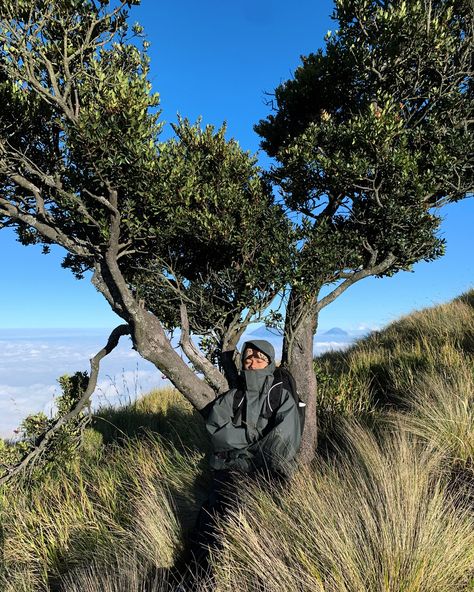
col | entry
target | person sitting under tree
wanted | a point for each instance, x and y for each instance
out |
(254, 428)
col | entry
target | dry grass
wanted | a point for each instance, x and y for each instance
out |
(381, 514)
(126, 573)
(441, 412)
(378, 520)
(380, 370)
(132, 497)
(164, 411)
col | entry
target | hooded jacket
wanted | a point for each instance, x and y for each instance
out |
(255, 437)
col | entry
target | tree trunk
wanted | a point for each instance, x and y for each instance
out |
(300, 327)
(148, 335)
(152, 344)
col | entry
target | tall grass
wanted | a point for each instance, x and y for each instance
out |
(136, 496)
(164, 411)
(128, 572)
(378, 371)
(441, 412)
(380, 513)
(379, 519)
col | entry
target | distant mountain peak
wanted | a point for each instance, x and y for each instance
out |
(264, 332)
(336, 331)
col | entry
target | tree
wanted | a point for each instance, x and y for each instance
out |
(369, 137)
(183, 232)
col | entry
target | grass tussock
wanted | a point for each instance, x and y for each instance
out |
(128, 572)
(163, 411)
(136, 496)
(441, 412)
(379, 519)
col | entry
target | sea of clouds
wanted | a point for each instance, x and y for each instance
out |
(31, 360)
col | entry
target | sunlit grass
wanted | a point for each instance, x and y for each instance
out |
(129, 497)
(164, 411)
(441, 412)
(377, 518)
(380, 370)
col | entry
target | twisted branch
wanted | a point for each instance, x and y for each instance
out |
(46, 437)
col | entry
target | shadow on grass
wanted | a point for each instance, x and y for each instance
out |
(178, 427)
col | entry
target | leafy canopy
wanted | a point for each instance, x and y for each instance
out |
(188, 220)
(373, 133)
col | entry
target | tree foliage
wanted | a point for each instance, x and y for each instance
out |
(186, 230)
(370, 137)
(373, 133)
(223, 246)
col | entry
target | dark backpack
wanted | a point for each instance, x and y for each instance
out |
(282, 379)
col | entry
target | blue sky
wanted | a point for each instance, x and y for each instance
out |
(216, 60)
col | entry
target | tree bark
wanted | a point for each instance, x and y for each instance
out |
(148, 336)
(213, 375)
(297, 356)
(152, 343)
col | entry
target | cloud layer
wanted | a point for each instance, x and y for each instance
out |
(32, 360)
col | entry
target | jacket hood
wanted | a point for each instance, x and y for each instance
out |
(264, 346)
(251, 375)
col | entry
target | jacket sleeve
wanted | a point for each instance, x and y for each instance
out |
(276, 451)
(219, 413)
(224, 435)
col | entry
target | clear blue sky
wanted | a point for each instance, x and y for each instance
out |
(217, 59)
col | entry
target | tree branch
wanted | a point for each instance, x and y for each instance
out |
(200, 362)
(102, 286)
(52, 233)
(102, 200)
(46, 437)
(235, 330)
(49, 181)
(355, 277)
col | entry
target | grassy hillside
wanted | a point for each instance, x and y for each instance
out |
(391, 509)
(421, 366)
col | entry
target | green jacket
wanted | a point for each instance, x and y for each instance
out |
(250, 441)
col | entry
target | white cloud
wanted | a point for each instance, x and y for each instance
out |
(30, 366)
(368, 328)
(16, 402)
(324, 345)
